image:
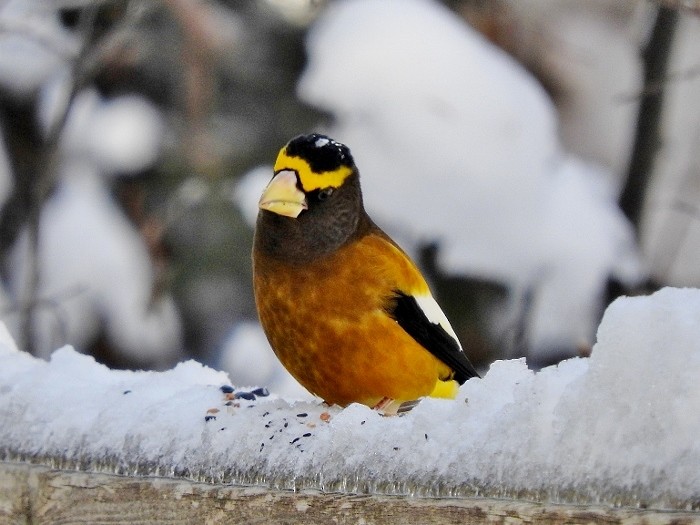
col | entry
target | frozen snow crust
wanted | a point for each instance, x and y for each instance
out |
(621, 427)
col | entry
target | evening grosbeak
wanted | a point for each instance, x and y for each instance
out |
(345, 310)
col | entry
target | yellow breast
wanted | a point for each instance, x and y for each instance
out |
(327, 324)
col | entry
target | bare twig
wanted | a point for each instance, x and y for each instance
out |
(62, 47)
(85, 63)
(655, 57)
(656, 87)
(198, 79)
(41, 188)
(670, 245)
(118, 37)
(55, 306)
(682, 5)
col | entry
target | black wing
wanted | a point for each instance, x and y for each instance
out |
(406, 311)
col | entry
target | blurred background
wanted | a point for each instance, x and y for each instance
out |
(537, 158)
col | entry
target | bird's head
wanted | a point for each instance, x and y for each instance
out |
(309, 170)
(313, 204)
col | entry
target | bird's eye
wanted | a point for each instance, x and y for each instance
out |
(325, 193)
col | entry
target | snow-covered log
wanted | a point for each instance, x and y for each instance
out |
(606, 435)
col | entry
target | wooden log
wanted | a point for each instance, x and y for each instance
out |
(32, 493)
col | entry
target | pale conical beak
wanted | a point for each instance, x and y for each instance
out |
(281, 196)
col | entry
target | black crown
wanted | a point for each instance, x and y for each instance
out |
(321, 152)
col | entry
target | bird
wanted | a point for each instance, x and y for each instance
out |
(344, 308)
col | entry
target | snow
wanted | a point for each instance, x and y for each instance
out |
(320, 142)
(589, 55)
(462, 147)
(672, 236)
(246, 194)
(619, 427)
(247, 345)
(33, 45)
(95, 270)
(124, 134)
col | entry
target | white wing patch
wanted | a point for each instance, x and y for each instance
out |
(435, 314)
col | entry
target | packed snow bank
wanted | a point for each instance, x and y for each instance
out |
(620, 427)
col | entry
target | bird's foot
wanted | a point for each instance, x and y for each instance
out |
(391, 407)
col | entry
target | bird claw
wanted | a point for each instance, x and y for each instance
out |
(383, 405)
(390, 407)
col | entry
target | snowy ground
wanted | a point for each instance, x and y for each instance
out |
(620, 427)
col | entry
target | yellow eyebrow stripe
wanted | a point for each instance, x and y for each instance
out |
(310, 179)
